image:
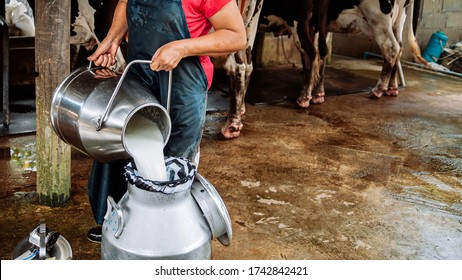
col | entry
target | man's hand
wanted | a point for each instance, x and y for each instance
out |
(167, 57)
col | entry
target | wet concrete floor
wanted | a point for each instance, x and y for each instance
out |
(353, 178)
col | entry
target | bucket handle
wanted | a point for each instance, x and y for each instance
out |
(100, 120)
(111, 204)
(42, 232)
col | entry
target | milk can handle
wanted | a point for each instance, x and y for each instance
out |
(111, 204)
(42, 232)
(100, 120)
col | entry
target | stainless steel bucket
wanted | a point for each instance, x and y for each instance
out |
(175, 219)
(90, 111)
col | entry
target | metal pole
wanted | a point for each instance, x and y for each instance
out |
(400, 73)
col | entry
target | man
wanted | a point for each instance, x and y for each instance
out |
(174, 35)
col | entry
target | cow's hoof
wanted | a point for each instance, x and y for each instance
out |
(230, 131)
(304, 103)
(318, 98)
(391, 92)
(374, 94)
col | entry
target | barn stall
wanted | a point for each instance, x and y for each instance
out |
(353, 178)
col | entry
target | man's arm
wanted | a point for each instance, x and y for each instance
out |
(106, 51)
(229, 36)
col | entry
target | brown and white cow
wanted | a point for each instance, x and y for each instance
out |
(382, 20)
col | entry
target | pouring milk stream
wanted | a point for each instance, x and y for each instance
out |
(145, 143)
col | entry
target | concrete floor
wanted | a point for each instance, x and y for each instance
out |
(353, 178)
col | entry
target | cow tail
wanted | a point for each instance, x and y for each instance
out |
(412, 41)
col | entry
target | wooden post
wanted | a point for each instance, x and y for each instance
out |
(5, 65)
(52, 60)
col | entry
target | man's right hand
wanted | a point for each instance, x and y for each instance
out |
(105, 53)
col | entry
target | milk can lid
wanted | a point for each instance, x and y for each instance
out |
(213, 209)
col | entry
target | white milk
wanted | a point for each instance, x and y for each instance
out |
(144, 142)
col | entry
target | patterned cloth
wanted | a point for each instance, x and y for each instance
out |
(180, 172)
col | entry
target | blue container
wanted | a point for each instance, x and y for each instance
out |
(435, 46)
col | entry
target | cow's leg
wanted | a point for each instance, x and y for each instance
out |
(323, 50)
(305, 93)
(382, 29)
(390, 51)
(318, 91)
(308, 52)
(398, 27)
(239, 68)
(392, 89)
(392, 86)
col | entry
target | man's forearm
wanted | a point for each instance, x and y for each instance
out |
(119, 24)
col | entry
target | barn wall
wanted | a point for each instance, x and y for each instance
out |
(440, 15)
(274, 50)
(434, 15)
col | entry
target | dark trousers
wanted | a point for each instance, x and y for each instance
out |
(106, 179)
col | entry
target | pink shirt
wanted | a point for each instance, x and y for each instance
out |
(197, 13)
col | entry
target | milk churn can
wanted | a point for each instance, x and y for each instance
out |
(165, 221)
(91, 109)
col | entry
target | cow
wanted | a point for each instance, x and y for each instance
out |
(382, 20)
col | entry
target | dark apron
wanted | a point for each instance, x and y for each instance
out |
(151, 24)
